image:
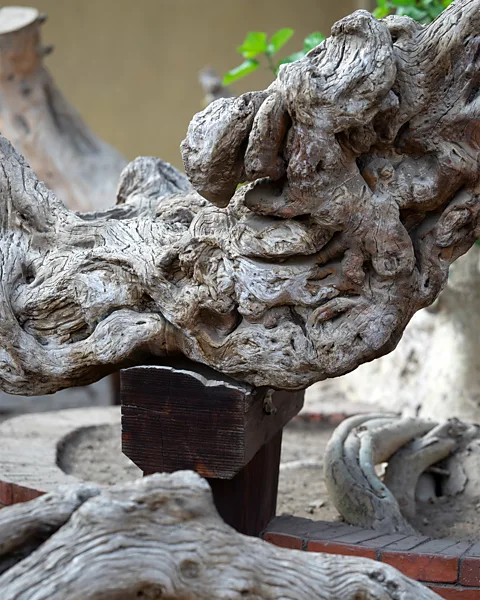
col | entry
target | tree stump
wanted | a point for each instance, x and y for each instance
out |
(184, 416)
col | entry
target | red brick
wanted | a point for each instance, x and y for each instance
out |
(306, 528)
(283, 540)
(474, 550)
(443, 546)
(358, 536)
(384, 540)
(470, 571)
(24, 494)
(344, 549)
(425, 567)
(335, 530)
(457, 549)
(336, 418)
(456, 592)
(6, 496)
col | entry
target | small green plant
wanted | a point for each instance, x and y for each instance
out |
(257, 45)
(424, 11)
(257, 48)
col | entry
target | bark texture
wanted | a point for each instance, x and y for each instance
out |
(34, 115)
(364, 162)
(161, 537)
(435, 370)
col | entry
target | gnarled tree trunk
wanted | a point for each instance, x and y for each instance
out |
(34, 115)
(410, 446)
(161, 537)
(364, 158)
(435, 370)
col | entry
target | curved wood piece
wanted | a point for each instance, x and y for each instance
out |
(161, 537)
(356, 446)
(410, 446)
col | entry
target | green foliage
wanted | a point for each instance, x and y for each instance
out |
(238, 72)
(424, 11)
(257, 46)
(254, 44)
(310, 42)
(278, 40)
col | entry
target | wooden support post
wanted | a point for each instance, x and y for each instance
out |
(186, 416)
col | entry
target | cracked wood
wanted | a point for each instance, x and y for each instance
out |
(363, 158)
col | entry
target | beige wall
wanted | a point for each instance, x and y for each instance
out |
(131, 66)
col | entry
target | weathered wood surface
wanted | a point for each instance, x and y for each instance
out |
(371, 143)
(161, 537)
(248, 501)
(434, 372)
(76, 164)
(186, 416)
(410, 446)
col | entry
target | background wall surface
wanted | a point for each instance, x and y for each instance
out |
(131, 68)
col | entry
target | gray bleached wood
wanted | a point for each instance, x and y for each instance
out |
(434, 372)
(367, 154)
(410, 446)
(161, 537)
(24, 526)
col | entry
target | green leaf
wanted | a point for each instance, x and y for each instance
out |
(312, 41)
(403, 2)
(434, 12)
(292, 58)
(413, 13)
(255, 43)
(381, 12)
(278, 40)
(242, 70)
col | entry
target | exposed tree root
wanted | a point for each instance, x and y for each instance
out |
(410, 446)
(161, 537)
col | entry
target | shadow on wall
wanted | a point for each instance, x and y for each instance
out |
(131, 68)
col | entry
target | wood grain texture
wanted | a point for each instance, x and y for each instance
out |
(193, 418)
(188, 417)
(410, 446)
(161, 537)
(365, 159)
(248, 501)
